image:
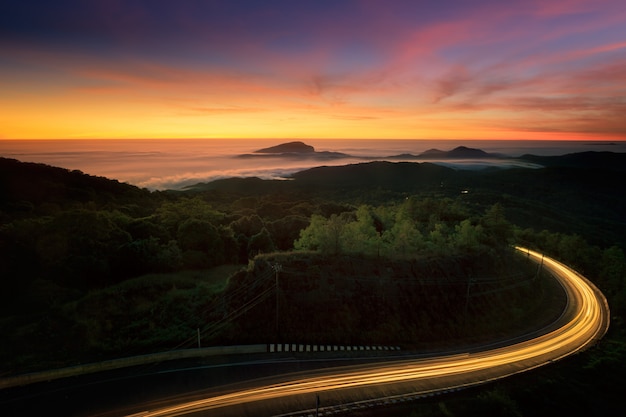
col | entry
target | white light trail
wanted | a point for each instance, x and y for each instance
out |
(585, 322)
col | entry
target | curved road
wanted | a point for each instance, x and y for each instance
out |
(584, 321)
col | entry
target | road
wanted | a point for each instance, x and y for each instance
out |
(584, 321)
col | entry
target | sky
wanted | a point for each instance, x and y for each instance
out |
(437, 69)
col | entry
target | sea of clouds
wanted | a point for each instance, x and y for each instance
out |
(178, 163)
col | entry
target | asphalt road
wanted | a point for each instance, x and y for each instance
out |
(275, 389)
(584, 321)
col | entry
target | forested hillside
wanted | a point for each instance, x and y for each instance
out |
(405, 253)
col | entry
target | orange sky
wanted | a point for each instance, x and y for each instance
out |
(354, 69)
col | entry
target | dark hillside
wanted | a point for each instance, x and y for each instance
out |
(417, 303)
(389, 253)
(249, 186)
(589, 202)
(456, 153)
(606, 161)
(64, 233)
(364, 182)
(581, 199)
(26, 186)
(584, 200)
(398, 176)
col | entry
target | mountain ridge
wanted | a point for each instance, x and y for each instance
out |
(288, 147)
(295, 149)
(299, 149)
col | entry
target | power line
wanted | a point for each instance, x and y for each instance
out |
(214, 327)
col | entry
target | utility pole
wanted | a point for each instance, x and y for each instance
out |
(277, 268)
(199, 338)
(317, 405)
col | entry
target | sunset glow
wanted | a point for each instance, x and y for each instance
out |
(318, 69)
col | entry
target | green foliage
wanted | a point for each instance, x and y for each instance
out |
(147, 227)
(391, 237)
(74, 247)
(396, 231)
(247, 225)
(261, 242)
(497, 229)
(404, 238)
(154, 312)
(354, 299)
(613, 272)
(467, 237)
(199, 235)
(147, 255)
(172, 214)
(325, 235)
(286, 230)
(361, 235)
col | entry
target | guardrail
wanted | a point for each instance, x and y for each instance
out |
(109, 365)
(297, 347)
(113, 364)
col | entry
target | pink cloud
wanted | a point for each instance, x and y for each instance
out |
(501, 57)
(559, 8)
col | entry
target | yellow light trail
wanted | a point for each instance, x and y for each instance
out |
(585, 320)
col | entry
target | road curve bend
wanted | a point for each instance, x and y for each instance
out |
(584, 321)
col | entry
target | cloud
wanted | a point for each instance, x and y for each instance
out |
(323, 66)
(222, 110)
(354, 117)
(456, 81)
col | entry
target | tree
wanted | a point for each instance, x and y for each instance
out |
(613, 275)
(286, 230)
(83, 244)
(438, 239)
(498, 231)
(467, 236)
(247, 225)
(172, 214)
(170, 257)
(146, 227)
(261, 242)
(404, 238)
(231, 245)
(143, 256)
(323, 234)
(201, 237)
(311, 237)
(361, 235)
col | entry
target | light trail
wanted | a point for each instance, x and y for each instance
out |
(585, 320)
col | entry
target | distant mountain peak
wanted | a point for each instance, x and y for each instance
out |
(458, 152)
(433, 151)
(464, 151)
(289, 147)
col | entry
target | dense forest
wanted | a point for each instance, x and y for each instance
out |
(404, 253)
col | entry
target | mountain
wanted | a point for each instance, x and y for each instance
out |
(461, 152)
(290, 147)
(27, 185)
(606, 161)
(581, 200)
(457, 153)
(297, 150)
(367, 175)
